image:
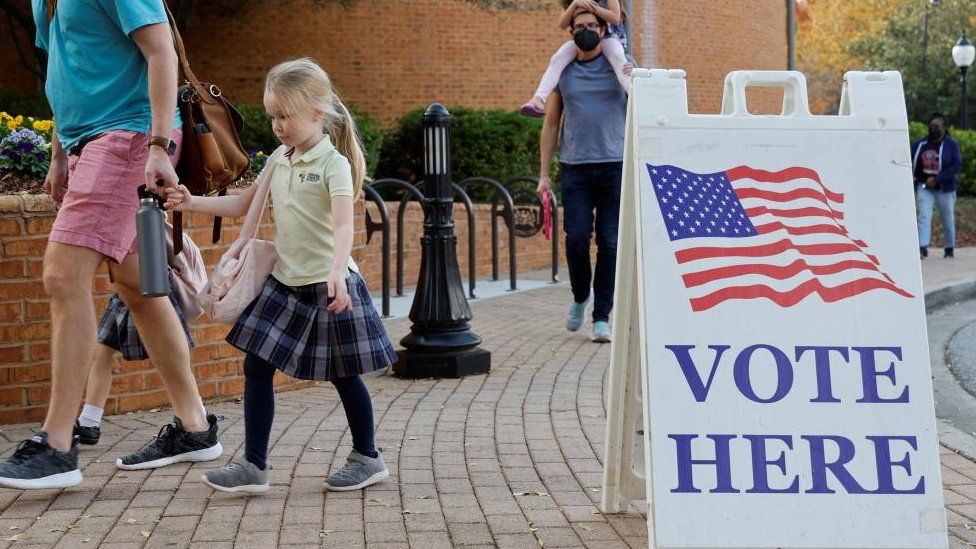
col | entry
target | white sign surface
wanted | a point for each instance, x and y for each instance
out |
(786, 381)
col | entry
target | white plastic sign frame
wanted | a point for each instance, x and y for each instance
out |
(779, 370)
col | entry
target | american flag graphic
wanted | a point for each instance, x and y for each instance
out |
(747, 233)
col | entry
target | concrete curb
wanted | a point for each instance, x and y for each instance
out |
(936, 299)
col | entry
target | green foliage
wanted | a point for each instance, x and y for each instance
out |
(372, 136)
(257, 135)
(967, 145)
(930, 77)
(498, 144)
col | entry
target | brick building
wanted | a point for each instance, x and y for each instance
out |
(390, 56)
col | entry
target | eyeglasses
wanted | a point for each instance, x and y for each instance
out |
(590, 26)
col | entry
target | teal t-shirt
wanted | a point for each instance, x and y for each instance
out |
(97, 79)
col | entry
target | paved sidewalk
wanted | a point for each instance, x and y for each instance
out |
(512, 459)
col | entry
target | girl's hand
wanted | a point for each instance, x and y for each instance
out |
(338, 292)
(587, 5)
(178, 199)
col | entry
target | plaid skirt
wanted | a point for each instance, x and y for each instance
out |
(290, 328)
(117, 329)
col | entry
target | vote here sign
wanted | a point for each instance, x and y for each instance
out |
(787, 382)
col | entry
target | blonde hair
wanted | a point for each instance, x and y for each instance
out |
(302, 83)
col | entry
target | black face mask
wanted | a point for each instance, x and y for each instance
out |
(586, 39)
(935, 134)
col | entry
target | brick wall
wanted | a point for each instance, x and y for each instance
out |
(25, 326)
(390, 56)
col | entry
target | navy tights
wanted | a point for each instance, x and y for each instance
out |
(259, 410)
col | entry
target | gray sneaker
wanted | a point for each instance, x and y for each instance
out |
(359, 472)
(574, 320)
(240, 475)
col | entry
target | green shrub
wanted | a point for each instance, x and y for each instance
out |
(258, 135)
(498, 144)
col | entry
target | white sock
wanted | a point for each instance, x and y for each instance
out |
(91, 416)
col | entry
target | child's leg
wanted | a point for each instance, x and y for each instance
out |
(258, 409)
(614, 51)
(557, 64)
(359, 413)
(99, 385)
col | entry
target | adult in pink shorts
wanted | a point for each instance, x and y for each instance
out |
(112, 84)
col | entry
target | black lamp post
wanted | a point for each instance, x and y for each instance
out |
(962, 55)
(440, 342)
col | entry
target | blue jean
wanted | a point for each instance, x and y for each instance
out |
(589, 189)
(946, 203)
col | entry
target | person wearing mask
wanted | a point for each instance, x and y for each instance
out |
(936, 161)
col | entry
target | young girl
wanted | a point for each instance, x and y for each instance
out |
(614, 44)
(314, 318)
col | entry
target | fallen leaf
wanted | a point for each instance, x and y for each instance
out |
(412, 438)
(421, 497)
(151, 410)
(131, 521)
(407, 512)
(314, 448)
(14, 528)
(530, 493)
(585, 527)
(55, 530)
(86, 540)
(145, 533)
(16, 537)
(541, 543)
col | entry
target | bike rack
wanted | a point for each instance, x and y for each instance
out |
(501, 193)
(409, 191)
(555, 220)
(459, 192)
(384, 226)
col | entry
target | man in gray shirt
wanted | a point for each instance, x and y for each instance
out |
(587, 114)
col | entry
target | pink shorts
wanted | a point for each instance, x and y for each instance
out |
(99, 207)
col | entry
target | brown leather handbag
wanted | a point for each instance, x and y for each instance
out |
(212, 156)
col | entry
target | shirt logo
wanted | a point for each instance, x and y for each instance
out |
(309, 177)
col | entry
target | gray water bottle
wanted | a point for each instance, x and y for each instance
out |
(151, 234)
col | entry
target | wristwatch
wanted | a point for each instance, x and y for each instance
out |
(166, 143)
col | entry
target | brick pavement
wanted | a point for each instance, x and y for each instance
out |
(512, 459)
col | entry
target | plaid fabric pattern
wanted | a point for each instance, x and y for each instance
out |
(117, 329)
(290, 328)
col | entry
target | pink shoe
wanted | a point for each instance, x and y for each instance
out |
(529, 109)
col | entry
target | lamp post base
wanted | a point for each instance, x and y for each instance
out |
(451, 364)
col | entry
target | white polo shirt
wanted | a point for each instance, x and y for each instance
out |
(301, 193)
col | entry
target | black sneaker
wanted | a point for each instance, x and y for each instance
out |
(174, 444)
(923, 251)
(35, 465)
(949, 253)
(87, 435)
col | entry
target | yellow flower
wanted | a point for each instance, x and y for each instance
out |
(42, 125)
(12, 125)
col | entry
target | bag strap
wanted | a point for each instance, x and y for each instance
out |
(255, 212)
(184, 63)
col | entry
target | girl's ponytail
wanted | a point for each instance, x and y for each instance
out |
(346, 139)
